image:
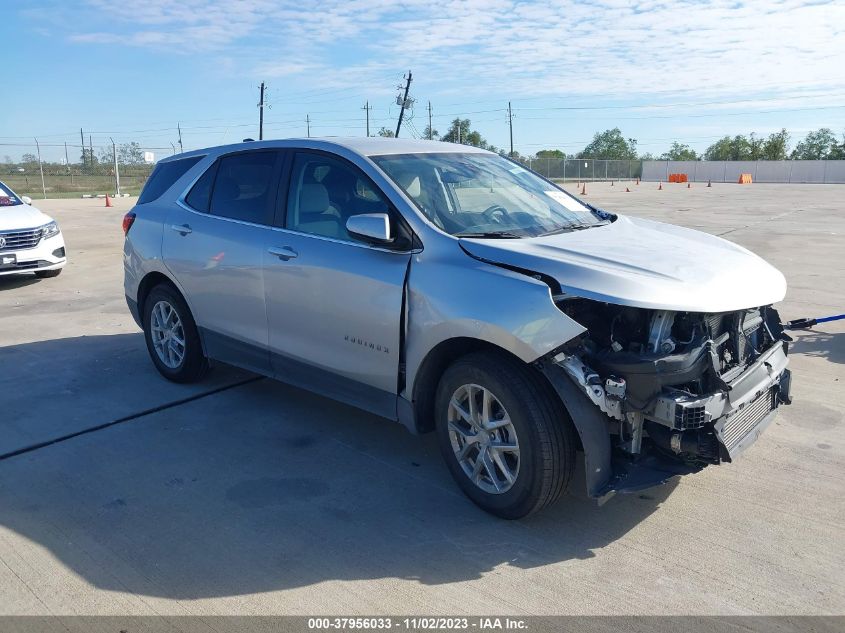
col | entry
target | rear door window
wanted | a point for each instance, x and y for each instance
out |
(163, 177)
(245, 186)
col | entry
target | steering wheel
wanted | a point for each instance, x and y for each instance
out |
(490, 212)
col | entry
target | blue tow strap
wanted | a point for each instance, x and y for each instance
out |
(803, 324)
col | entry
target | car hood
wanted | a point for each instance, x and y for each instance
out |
(21, 216)
(645, 264)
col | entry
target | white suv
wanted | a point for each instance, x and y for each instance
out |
(30, 241)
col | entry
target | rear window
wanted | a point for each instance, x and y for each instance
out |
(163, 177)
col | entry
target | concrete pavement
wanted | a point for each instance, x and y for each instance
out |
(263, 499)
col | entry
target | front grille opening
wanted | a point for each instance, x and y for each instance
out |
(19, 240)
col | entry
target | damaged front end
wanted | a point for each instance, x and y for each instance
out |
(673, 391)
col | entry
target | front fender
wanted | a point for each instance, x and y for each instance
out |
(466, 298)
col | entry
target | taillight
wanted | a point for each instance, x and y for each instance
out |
(128, 220)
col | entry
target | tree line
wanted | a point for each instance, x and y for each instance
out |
(128, 154)
(821, 144)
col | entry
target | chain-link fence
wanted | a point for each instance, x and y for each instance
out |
(64, 171)
(579, 169)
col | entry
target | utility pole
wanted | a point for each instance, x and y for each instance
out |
(179, 129)
(308, 125)
(367, 107)
(510, 125)
(90, 150)
(261, 114)
(116, 171)
(82, 138)
(41, 169)
(67, 160)
(173, 147)
(403, 104)
(430, 132)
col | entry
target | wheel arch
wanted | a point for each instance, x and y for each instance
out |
(150, 281)
(155, 278)
(440, 357)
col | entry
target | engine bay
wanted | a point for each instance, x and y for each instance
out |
(676, 381)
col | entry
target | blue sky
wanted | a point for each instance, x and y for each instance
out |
(660, 71)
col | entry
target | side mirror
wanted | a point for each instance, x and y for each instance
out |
(370, 227)
(26, 199)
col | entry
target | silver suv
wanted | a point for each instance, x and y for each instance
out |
(455, 291)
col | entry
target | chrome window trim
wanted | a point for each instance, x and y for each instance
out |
(221, 217)
(293, 232)
(347, 242)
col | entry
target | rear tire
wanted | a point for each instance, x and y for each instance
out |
(171, 335)
(47, 274)
(523, 429)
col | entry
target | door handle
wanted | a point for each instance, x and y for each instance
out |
(182, 229)
(284, 253)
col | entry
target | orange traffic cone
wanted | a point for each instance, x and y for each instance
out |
(660, 187)
(611, 183)
(689, 185)
(584, 189)
(108, 201)
(638, 181)
(627, 190)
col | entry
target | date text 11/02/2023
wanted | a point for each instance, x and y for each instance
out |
(482, 623)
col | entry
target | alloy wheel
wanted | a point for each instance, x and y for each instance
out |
(168, 335)
(483, 438)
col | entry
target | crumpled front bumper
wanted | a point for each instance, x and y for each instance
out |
(738, 416)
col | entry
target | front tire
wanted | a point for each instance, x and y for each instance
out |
(171, 335)
(506, 438)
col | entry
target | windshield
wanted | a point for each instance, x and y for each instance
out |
(485, 195)
(8, 197)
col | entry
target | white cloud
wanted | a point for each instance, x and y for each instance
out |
(467, 47)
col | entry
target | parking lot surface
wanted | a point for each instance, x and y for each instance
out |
(245, 496)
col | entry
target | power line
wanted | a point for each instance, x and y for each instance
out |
(699, 116)
(681, 105)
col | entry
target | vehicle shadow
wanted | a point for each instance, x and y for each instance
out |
(12, 282)
(265, 487)
(829, 345)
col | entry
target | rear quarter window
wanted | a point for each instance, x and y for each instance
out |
(163, 177)
(200, 194)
